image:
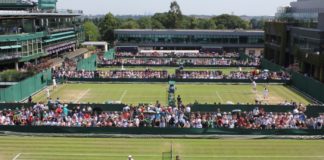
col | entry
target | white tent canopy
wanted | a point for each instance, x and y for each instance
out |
(96, 43)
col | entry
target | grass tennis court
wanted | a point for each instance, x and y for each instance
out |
(135, 93)
(54, 148)
(171, 70)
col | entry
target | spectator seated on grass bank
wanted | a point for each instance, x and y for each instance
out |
(157, 116)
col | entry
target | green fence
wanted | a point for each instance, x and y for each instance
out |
(266, 64)
(158, 131)
(308, 85)
(303, 83)
(244, 56)
(311, 111)
(88, 64)
(14, 106)
(25, 88)
(109, 54)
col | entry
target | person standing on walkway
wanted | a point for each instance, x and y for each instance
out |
(54, 83)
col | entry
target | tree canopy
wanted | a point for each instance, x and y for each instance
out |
(107, 26)
(173, 19)
(91, 31)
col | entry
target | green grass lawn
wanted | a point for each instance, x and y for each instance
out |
(171, 70)
(49, 148)
(135, 93)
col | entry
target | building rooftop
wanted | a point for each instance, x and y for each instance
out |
(308, 29)
(27, 13)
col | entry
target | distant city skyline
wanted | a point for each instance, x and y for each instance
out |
(188, 7)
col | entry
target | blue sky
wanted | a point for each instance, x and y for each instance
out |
(204, 7)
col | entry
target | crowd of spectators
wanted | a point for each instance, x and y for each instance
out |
(220, 62)
(179, 74)
(134, 74)
(42, 64)
(256, 119)
(56, 114)
(188, 62)
(69, 64)
(253, 75)
(257, 74)
(119, 62)
(62, 73)
(177, 54)
(113, 74)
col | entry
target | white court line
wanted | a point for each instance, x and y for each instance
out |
(16, 156)
(123, 95)
(252, 156)
(222, 101)
(90, 154)
(82, 95)
(198, 156)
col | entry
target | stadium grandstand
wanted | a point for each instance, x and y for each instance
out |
(248, 41)
(31, 30)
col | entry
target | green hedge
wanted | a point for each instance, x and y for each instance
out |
(25, 88)
(14, 75)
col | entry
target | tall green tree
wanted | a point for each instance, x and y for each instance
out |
(145, 23)
(129, 24)
(91, 31)
(107, 26)
(257, 23)
(157, 24)
(175, 15)
(160, 20)
(192, 22)
(173, 19)
(226, 21)
(208, 24)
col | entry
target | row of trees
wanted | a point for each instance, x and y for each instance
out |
(173, 19)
